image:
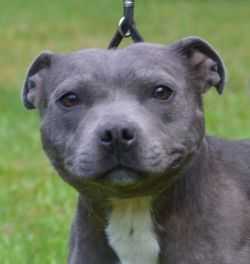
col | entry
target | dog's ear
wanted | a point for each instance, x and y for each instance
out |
(205, 64)
(33, 83)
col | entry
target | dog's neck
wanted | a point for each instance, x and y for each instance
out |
(133, 226)
(130, 231)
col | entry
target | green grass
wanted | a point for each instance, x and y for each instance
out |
(36, 207)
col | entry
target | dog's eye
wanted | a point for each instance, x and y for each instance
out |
(69, 100)
(162, 92)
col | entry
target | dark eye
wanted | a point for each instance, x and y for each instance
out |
(162, 92)
(69, 100)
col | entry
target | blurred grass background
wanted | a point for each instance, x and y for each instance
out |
(36, 207)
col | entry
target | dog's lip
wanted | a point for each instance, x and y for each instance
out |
(121, 175)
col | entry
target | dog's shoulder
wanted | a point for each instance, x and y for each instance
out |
(232, 158)
(230, 150)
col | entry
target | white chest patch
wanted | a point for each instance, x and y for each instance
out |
(130, 231)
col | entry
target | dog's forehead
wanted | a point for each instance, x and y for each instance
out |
(109, 63)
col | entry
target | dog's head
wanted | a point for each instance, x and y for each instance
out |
(127, 120)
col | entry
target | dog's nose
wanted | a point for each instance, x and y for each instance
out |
(117, 136)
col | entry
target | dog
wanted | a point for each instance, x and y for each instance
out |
(126, 129)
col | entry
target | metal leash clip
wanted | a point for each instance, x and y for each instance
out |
(126, 26)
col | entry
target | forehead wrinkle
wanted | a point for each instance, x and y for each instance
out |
(73, 82)
(145, 75)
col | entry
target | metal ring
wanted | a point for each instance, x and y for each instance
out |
(126, 34)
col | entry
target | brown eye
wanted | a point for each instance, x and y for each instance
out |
(162, 92)
(69, 100)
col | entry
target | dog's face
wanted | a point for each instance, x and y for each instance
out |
(126, 120)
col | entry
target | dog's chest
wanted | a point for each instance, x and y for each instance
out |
(130, 232)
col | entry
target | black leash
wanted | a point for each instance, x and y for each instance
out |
(126, 26)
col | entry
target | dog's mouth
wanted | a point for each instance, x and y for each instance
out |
(122, 176)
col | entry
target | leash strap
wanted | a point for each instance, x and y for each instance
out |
(126, 26)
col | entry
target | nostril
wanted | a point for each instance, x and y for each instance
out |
(116, 136)
(127, 134)
(107, 137)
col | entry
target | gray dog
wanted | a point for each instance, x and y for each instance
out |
(126, 129)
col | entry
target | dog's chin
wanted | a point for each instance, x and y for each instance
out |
(123, 177)
(125, 183)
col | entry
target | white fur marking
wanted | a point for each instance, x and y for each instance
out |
(130, 231)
